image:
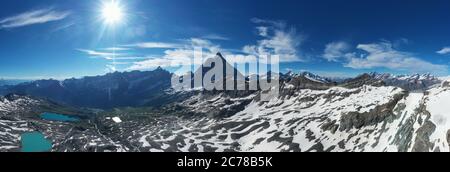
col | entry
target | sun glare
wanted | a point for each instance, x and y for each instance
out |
(112, 12)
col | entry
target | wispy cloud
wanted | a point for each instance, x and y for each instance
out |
(275, 23)
(384, 55)
(178, 56)
(121, 63)
(150, 45)
(39, 16)
(97, 53)
(332, 73)
(117, 49)
(130, 58)
(114, 60)
(110, 68)
(263, 31)
(443, 51)
(215, 37)
(276, 39)
(64, 26)
(336, 50)
(108, 55)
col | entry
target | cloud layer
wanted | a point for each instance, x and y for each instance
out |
(150, 45)
(383, 55)
(39, 16)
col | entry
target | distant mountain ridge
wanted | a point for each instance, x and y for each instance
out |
(153, 88)
(117, 89)
(4, 82)
(408, 82)
(311, 76)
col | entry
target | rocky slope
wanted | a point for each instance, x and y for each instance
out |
(21, 114)
(366, 118)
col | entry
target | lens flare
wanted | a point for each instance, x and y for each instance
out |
(112, 12)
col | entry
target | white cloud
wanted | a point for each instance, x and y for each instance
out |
(179, 56)
(129, 58)
(151, 45)
(183, 56)
(263, 31)
(110, 55)
(445, 50)
(110, 68)
(215, 37)
(197, 42)
(116, 49)
(384, 55)
(276, 40)
(336, 50)
(33, 17)
(278, 24)
(94, 53)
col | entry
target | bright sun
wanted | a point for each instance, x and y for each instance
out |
(112, 12)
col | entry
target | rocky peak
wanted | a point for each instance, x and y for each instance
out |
(364, 79)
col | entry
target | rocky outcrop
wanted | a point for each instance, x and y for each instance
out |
(379, 114)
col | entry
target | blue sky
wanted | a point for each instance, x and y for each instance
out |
(63, 39)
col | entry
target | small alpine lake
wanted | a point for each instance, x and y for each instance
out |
(35, 142)
(58, 117)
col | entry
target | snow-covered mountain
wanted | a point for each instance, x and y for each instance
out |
(366, 118)
(311, 76)
(409, 82)
(371, 112)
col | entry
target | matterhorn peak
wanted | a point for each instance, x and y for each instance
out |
(219, 54)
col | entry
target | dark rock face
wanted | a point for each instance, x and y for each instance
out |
(377, 115)
(365, 79)
(422, 142)
(290, 85)
(448, 137)
(219, 104)
(330, 126)
(302, 82)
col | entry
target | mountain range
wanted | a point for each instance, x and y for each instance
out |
(370, 112)
(111, 90)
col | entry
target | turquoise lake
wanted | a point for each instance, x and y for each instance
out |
(35, 142)
(58, 117)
